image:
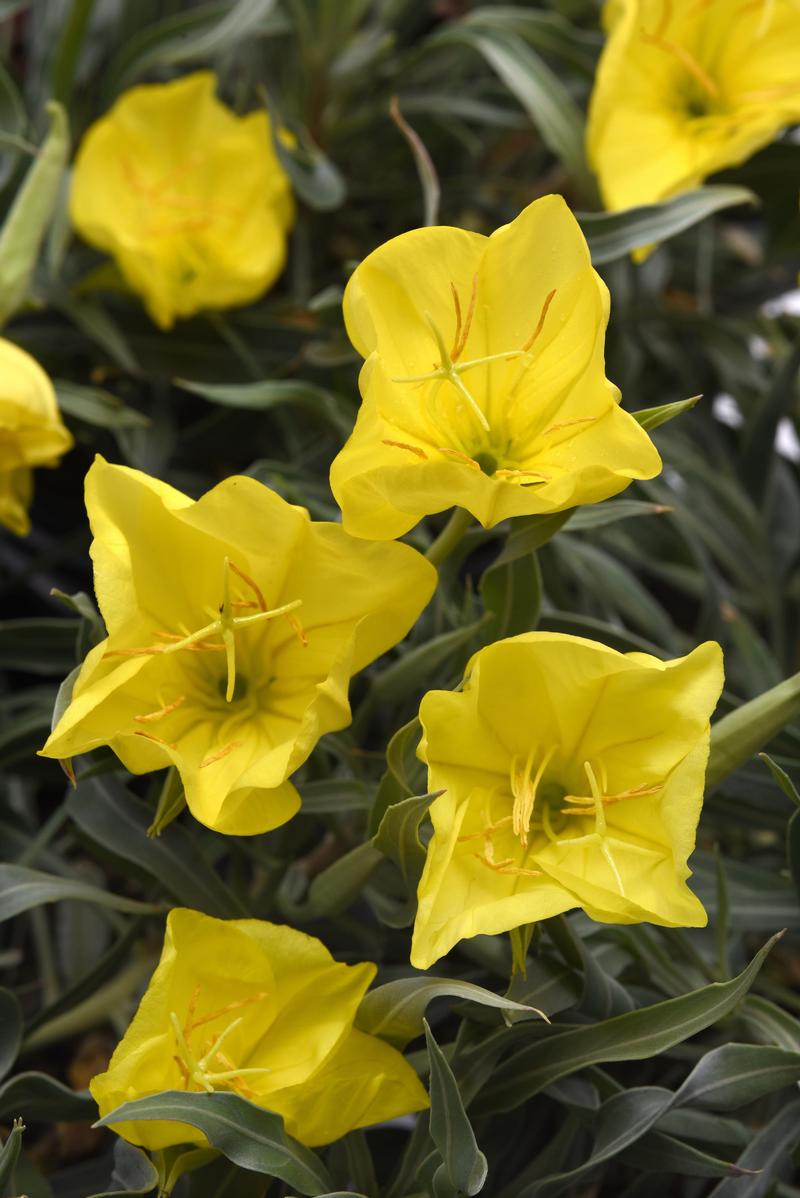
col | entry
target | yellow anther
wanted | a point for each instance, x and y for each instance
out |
(162, 711)
(198, 1071)
(460, 339)
(168, 744)
(210, 758)
(522, 474)
(556, 428)
(225, 625)
(540, 323)
(415, 449)
(524, 789)
(459, 456)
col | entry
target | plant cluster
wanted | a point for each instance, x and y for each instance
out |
(400, 697)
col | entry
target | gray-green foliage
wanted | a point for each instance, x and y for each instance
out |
(671, 1062)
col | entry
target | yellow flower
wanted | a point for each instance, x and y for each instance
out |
(264, 1011)
(573, 777)
(189, 198)
(235, 624)
(685, 88)
(484, 385)
(31, 432)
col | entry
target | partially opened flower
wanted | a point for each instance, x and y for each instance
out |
(188, 197)
(573, 777)
(685, 88)
(484, 386)
(264, 1011)
(31, 432)
(234, 626)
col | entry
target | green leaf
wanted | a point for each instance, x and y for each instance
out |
(757, 459)
(9, 1155)
(742, 732)
(193, 36)
(612, 235)
(768, 1154)
(29, 218)
(539, 90)
(734, 1074)
(134, 1173)
(512, 594)
(338, 886)
(634, 1036)
(652, 418)
(782, 778)
(271, 393)
(97, 407)
(398, 836)
(463, 1163)
(529, 533)
(41, 1098)
(598, 515)
(403, 769)
(314, 178)
(327, 796)
(247, 1135)
(108, 813)
(13, 123)
(396, 1011)
(22, 888)
(10, 1030)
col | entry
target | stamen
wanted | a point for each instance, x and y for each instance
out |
(461, 340)
(508, 867)
(457, 334)
(159, 715)
(540, 323)
(236, 1005)
(411, 448)
(770, 93)
(486, 832)
(522, 474)
(210, 758)
(297, 629)
(168, 744)
(524, 791)
(556, 428)
(251, 583)
(461, 457)
(685, 59)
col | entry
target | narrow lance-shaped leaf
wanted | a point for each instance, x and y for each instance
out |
(631, 1037)
(742, 732)
(29, 218)
(247, 1135)
(463, 1163)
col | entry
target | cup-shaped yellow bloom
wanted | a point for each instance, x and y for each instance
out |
(484, 383)
(264, 1011)
(687, 87)
(234, 626)
(31, 432)
(188, 198)
(573, 777)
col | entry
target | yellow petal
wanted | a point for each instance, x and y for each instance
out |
(189, 198)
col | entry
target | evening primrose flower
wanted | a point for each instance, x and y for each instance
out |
(572, 777)
(685, 88)
(264, 1011)
(484, 384)
(234, 626)
(188, 198)
(31, 432)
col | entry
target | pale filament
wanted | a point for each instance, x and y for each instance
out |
(659, 39)
(449, 369)
(198, 1071)
(226, 624)
(580, 804)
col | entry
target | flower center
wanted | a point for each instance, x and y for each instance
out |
(198, 1071)
(545, 807)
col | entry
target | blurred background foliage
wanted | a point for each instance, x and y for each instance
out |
(497, 94)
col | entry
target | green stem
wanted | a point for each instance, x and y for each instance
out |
(450, 537)
(69, 48)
